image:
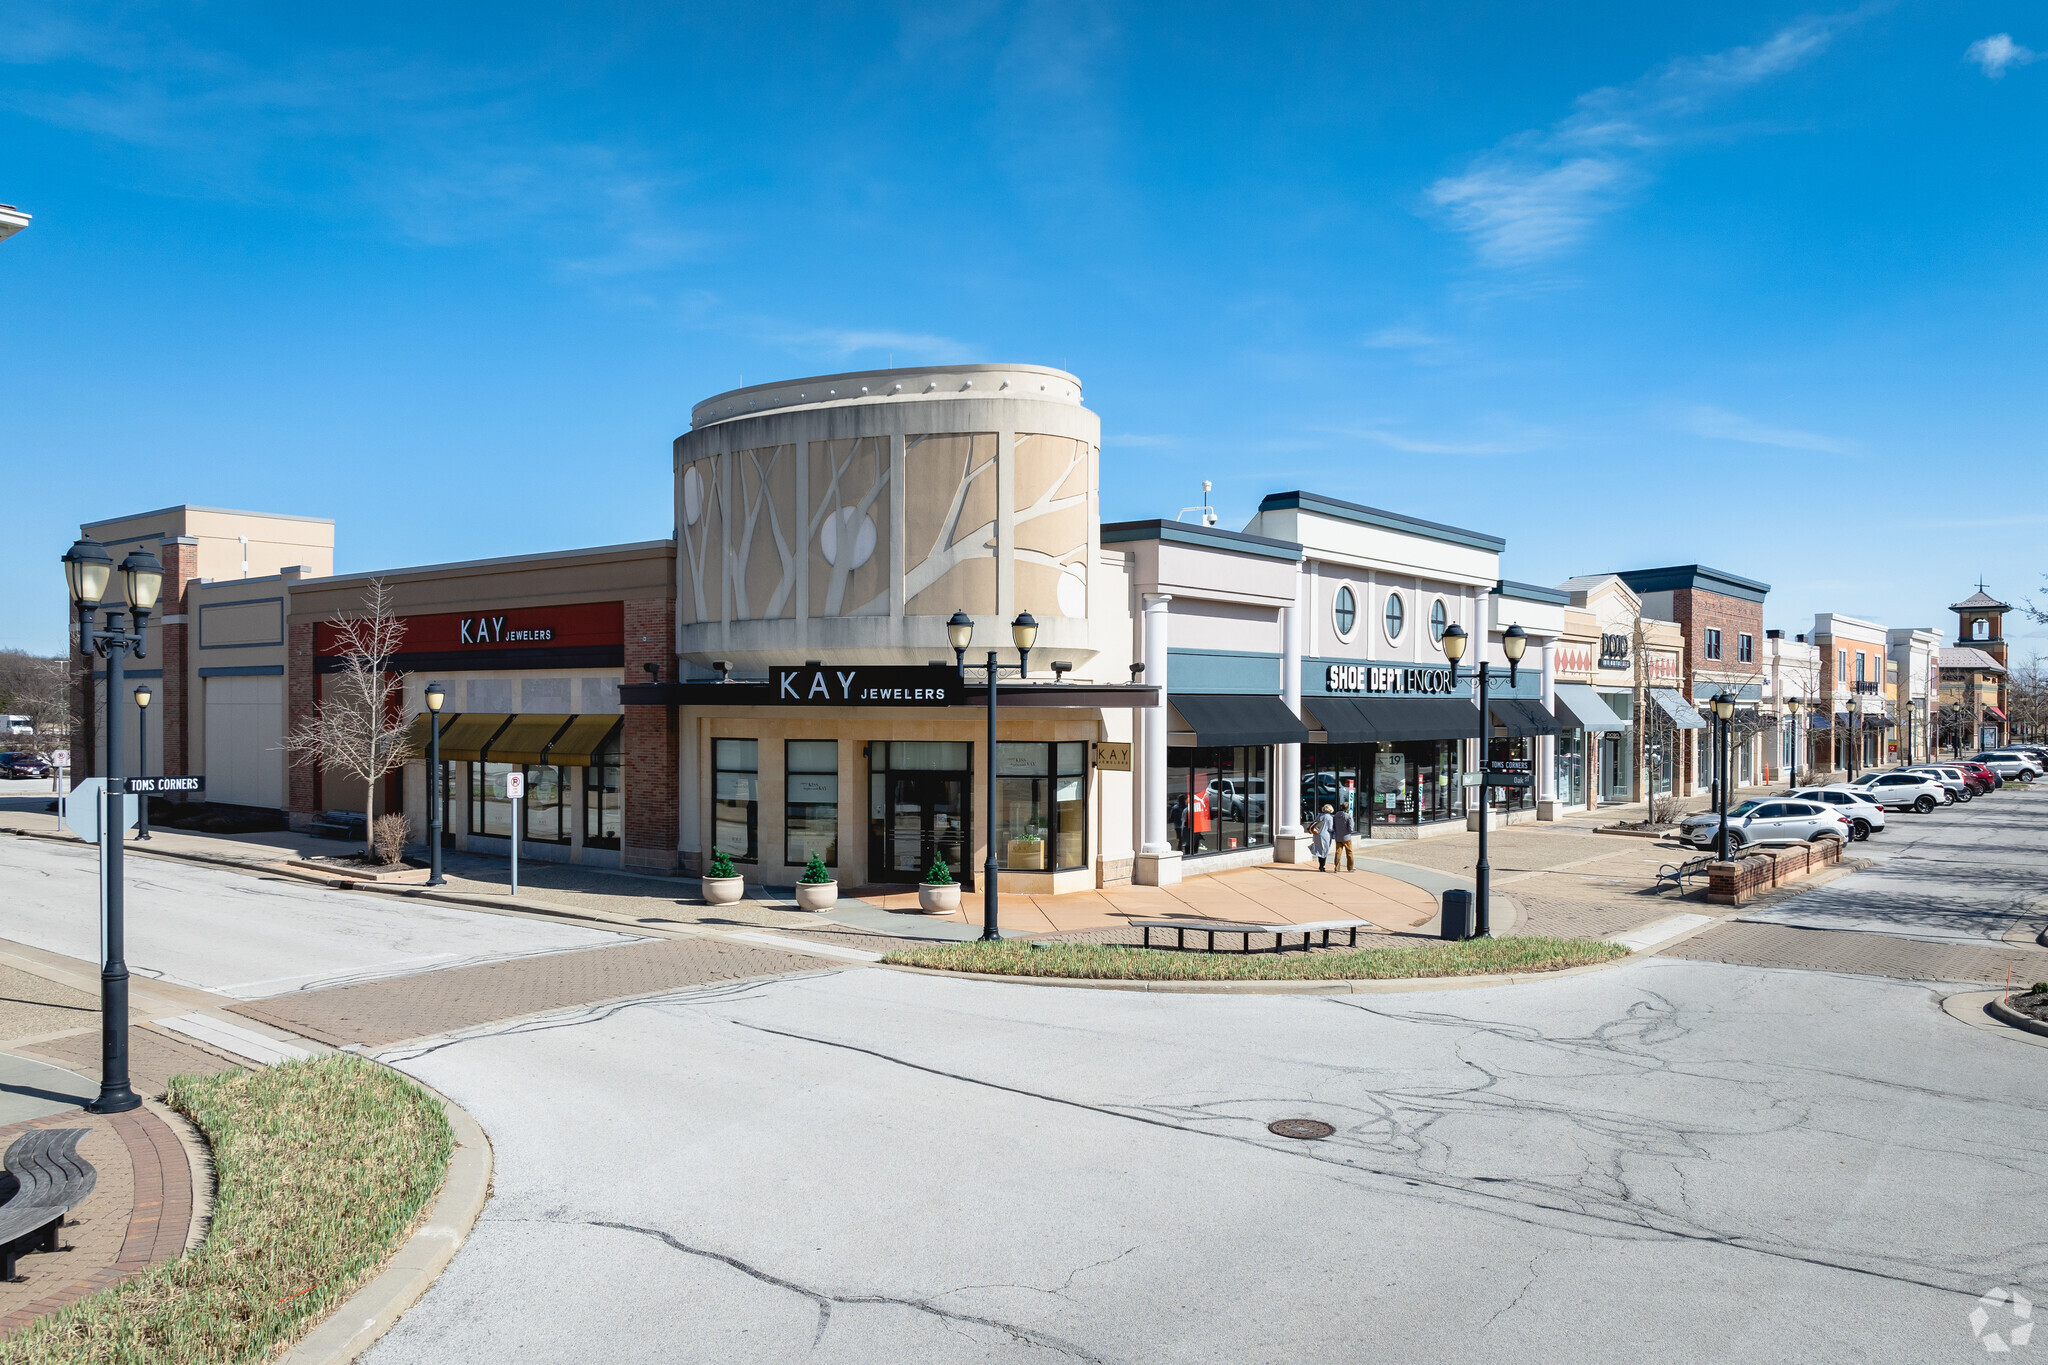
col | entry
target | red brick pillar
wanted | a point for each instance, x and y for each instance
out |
(301, 698)
(651, 747)
(180, 557)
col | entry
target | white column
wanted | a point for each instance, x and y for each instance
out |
(1546, 745)
(1158, 860)
(1290, 844)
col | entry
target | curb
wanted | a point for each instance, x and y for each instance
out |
(1392, 986)
(2006, 1014)
(372, 1310)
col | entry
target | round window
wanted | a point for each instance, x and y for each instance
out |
(1345, 611)
(1439, 620)
(1393, 616)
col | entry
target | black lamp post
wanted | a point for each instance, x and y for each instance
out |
(1023, 633)
(143, 697)
(87, 571)
(1513, 644)
(436, 788)
(1792, 715)
(1724, 710)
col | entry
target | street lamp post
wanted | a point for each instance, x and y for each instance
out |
(1792, 763)
(143, 697)
(436, 788)
(960, 633)
(1513, 644)
(1724, 711)
(87, 571)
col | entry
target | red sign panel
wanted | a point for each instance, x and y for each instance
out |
(581, 625)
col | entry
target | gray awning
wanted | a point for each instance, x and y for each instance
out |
(1578, 704)
(1258, 718)
(1681, 713)
(1519, 716)
(1359, 720)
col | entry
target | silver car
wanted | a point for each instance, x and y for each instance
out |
(1866, 817)
(2010, 763)
(1903, 791)
(1771, 820)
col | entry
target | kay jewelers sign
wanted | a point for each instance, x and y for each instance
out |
(830, 686)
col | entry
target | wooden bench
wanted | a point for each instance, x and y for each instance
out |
(1280, 932)
(1679, 873)
(50, 1180)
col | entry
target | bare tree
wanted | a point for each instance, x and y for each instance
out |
(39, 687)
(361, 726)
(2027, 699)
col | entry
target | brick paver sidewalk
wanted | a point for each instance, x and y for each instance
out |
(1833, 950)
(378, 1013)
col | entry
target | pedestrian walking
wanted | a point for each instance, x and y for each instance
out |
(1319, 840)
(1340, 838)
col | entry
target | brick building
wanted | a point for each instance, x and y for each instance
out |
(1721, 617)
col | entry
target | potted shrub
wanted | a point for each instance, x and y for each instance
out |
(722, 885)
(1027, 850)
(938, 893)
(817, 889)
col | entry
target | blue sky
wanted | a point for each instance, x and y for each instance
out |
(1752, 285)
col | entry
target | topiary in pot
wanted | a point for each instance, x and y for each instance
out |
(938, 893)
(721, 882)
(817, 889)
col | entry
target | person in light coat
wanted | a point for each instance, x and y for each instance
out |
(1320, 843)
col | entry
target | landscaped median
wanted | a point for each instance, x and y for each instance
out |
(1115, 962)
(322, 1170)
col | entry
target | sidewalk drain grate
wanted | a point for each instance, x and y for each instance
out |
(1305, 1129)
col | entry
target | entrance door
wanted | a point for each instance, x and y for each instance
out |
(923, 814)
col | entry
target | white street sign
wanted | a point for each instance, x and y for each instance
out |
(81, 809)
(515, 785)
(61, 759)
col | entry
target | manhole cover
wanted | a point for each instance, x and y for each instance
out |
(1300, 1128)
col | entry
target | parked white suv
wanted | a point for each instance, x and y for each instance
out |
(1865, 815)
(1954, 779)
(1771, 820)
(2010, 763)
(1903, 791)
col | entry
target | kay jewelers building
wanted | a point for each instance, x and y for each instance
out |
(776, 680)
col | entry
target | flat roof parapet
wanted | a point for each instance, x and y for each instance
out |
(921, 383)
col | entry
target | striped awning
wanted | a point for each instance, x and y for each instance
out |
(525, 739)
(575, 746)
(463, 739)
(423, 729)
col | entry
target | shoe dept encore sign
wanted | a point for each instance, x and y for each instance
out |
(1388, 679)
(814, 685)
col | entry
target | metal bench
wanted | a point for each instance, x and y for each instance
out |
(50, 1179)
(1280, 932)
(1679, 873)
(337, 824)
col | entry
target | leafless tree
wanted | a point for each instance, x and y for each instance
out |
(39, 687)
(2027, 699)
(361, 725)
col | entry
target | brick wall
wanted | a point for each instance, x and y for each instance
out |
(1697, 612)
(301, 697)
(651, 753)
(1742, 879)
(181, 567)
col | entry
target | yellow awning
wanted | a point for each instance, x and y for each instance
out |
(584, 737)
(463, 739)
(525, 739)
(422, 729)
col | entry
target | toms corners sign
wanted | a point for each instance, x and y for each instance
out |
(814, 685)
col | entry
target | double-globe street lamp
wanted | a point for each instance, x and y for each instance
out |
(1724, 711)
(960, 633)
(1792, 762)
(87, 571)
(437, 783)
(1514, 643)
(143, 697)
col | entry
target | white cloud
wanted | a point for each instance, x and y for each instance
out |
(1998, 52)
(1538, 193)
(1402, 339)
(911, 347)
(1720, 425)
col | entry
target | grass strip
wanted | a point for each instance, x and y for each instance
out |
(322, 1169)
(1117, 962)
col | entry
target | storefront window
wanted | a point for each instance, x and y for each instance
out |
(1406, 783)
(1041, 806)
(811, 819)
(1500, 749)
(1571, 767)
(601, 798)
(918, 808)
(547, 806)
(490, 809)
(1070, 801)
(735, 796)
(1216, 799)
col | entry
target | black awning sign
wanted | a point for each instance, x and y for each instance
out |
(826, 686)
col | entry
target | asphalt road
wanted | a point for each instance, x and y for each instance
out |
(1968, 873)
(1670, 1160)
(249, 936)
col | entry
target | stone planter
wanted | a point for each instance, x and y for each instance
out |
(723, 890)
(938, 898)
(817, 895)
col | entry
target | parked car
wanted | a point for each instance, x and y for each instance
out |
(1903, 790)
(1959, 787)
(1987, 780)
(2009, 763)
(1771, 820)
(25, 765)
(1866, 817)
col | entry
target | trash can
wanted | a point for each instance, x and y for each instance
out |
(1457, 924)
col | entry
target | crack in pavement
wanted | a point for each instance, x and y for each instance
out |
(825, 1301)
(1615, 1210)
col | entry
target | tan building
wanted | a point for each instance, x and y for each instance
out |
(1629, 663)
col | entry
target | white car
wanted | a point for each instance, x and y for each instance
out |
(2010, 763)
(1866, 817)
(1903, 791)
(1954, 779)
(1771, 820)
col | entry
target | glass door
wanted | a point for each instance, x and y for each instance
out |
(915, 816)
